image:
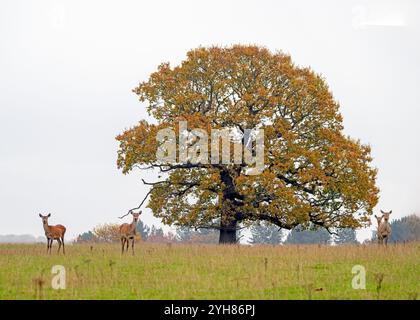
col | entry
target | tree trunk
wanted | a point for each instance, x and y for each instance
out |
(228, 233)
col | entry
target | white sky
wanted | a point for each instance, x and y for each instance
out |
(67, 69)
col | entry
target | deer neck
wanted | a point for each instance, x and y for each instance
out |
(133, 226)
(384, 223)
(46, 227)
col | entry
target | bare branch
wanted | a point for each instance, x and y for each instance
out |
(138, 207)
(152, 183)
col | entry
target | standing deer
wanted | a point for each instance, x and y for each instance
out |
(53, 233)
(129, 231)
(384, 228)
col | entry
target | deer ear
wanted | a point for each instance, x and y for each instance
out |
(140, 212)
(40, 215)
(376, 216)
(49, 215)
(390, 212)
(382, 211)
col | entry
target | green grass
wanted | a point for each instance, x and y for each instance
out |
(160, 271)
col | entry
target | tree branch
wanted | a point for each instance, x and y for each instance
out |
(138, 207)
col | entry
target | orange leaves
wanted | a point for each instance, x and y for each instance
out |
(137, 146)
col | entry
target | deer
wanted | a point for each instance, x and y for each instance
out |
(53, 233)
(128, 232)
(384, 228)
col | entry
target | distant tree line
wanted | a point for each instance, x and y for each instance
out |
(404, 229)
(270, 234)
(260, 234)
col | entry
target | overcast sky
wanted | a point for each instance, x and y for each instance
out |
(67, 69)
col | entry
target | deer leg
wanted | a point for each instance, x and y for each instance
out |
(122, 245)
(132, 246)
(50, 241)
(48, 244)
(127, 241)
(59, 245)
(62, 240)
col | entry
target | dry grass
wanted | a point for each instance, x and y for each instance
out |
(160, 271)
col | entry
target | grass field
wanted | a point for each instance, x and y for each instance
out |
(161, 271)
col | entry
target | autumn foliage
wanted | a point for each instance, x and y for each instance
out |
(313, 174)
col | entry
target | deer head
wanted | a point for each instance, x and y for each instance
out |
(45, 218)
(385, 215)
(136, 216)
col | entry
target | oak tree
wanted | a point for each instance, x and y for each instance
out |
(313, 173)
